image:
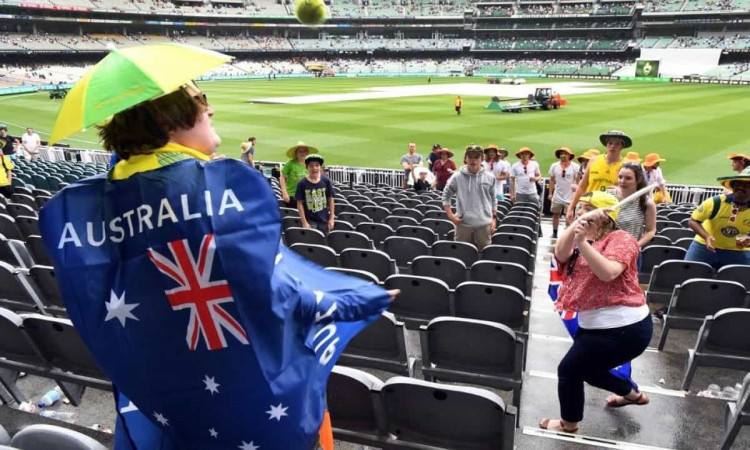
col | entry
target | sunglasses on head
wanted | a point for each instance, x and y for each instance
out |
(474, 148)
(201, 98)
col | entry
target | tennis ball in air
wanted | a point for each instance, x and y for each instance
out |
(310, 12)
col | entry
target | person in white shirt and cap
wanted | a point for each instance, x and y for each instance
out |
(561, 177)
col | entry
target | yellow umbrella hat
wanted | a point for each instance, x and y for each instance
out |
(127, 77)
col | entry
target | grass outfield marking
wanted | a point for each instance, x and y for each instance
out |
(465, 89)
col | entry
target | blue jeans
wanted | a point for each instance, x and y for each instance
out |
(719, 259)
(593, 353)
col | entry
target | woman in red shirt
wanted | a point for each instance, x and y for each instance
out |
(443, 168)
(598, 263)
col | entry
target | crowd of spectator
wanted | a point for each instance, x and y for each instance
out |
(398, 8)
(516, 43)
(710, 5)
(728, 42)
(35, 74)
(575, 8)
(540, 9)
(619, 8)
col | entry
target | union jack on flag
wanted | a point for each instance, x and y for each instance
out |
(569, 317)
(197, 292)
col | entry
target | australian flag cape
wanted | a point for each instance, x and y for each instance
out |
(570, 320)
(213, 334)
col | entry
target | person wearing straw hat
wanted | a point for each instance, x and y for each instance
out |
(443, 169)
(561, 177)
(498, 167)
(314, 197)
(433, 156)
(739, 161)
(248, 151)
(410, 161)
(293, 171)
(583, 161)
(632, 157)
(476, 205)
(654, 177)
(597, 263)
(722, 225)
(523, 177)
(601, 172)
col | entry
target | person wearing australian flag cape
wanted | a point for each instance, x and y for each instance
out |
(595, 288)
(215, 336)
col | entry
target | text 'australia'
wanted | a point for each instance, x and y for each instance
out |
(147, 217)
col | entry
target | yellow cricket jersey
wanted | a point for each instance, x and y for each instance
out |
(458, 102)
(720, 227)
(603, 175)
(7, 165)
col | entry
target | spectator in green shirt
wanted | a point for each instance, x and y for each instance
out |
(293, 171)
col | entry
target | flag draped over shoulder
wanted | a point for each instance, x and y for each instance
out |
(213, 334)
(570, 320)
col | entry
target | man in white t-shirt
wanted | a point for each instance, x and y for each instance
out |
(31, 143)
(409, 162)
(498, 167)
(561, 178)
(523, 177)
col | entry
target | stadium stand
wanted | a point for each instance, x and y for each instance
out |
(437, 303)
(399, 240)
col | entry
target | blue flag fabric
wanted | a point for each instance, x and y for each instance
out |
(213, 334)
(570, 321)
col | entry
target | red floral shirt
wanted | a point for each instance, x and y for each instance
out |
(583, 291)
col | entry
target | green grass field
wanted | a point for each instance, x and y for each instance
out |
(693, 126)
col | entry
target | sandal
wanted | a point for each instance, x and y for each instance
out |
(618, 401)
(544, 424)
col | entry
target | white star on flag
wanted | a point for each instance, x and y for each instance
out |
(211, 385)
(250, 446)
(213, 432)
(161, 419)
(118, 309)
(277, 412)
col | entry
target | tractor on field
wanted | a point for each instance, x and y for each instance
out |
(542, 98)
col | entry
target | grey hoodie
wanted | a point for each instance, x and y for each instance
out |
(475, 196)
